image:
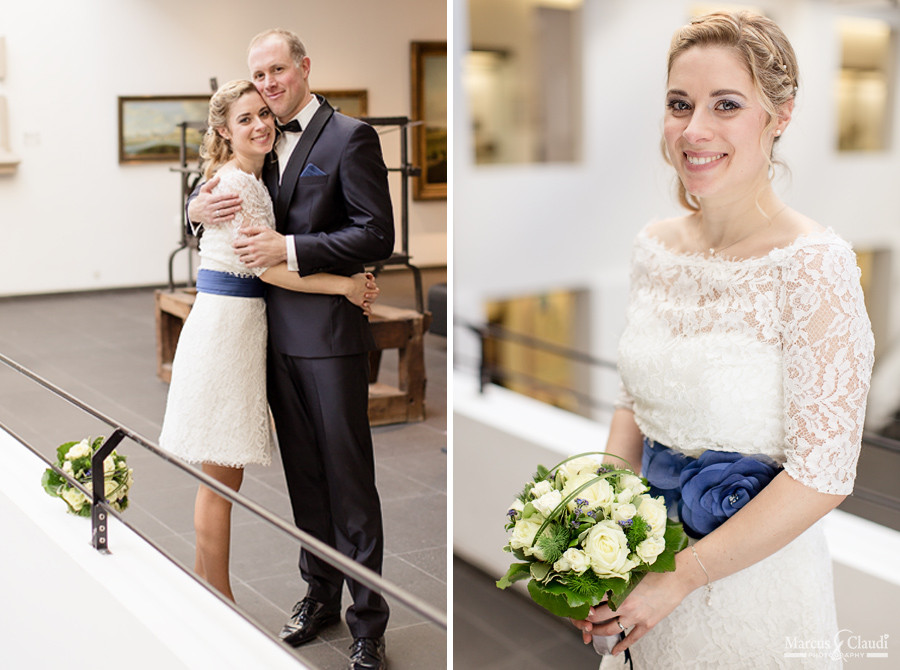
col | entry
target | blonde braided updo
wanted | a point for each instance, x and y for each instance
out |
(763, 48)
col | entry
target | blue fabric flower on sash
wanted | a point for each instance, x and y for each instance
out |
(706, 491)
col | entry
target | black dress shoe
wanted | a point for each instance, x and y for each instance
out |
(367, 653)
(308, 618)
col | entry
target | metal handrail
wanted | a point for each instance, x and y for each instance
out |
(327, 553)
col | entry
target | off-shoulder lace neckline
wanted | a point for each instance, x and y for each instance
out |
(824, 236)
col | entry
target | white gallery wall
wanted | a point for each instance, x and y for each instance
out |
(72, 217)
(533, 228)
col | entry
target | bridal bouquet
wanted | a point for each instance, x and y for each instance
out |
(586, 533)
(74, 458)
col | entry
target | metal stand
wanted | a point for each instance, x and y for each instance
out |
(407, 170)
(189, 179)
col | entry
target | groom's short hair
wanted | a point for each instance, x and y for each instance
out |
(295, 46)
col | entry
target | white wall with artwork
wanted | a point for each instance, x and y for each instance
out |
(73, 217)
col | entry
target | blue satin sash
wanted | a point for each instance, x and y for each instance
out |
(224, 283)
(704, 492)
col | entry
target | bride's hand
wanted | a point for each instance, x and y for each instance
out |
(586, 626)
(650, 602)
(363, 291)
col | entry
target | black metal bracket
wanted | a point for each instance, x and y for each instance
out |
(99, 513)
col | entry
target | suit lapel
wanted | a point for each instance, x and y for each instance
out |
(298, 158)
(270, 176)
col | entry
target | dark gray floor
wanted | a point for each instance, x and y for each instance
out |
(101, 348)
(504, 630)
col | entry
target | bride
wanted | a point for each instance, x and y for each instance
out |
(745, 366)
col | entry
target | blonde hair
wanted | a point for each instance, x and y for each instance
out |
(215, 150)
(765, 51)
(295, 46)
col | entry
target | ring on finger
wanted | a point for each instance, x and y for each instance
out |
(619, 624)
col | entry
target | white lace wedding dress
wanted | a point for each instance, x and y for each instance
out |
(216, 410)
(768, 355)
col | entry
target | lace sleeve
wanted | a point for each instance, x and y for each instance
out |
(828, 355)
(256, 205)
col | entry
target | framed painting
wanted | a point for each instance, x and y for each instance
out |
(149, 127)
(428, 62)
(352, 102)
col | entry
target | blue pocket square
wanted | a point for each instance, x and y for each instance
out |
(311, 170)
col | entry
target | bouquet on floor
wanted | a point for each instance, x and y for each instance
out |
(74, 458)
(585, 533)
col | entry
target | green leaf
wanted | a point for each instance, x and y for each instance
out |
(558, 600)
(519, 553)
(541, 473)
(665, 562)
(62, 450)
(620, 590)
(516, 572)
(539, 570)
(51, 481)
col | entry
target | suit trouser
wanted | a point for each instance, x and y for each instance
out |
(320, 407)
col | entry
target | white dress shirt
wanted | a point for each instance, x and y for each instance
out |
(284, 147)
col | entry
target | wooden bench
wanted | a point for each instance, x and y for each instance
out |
(392, 328)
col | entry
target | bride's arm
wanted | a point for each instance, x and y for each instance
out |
(625, 439)
(360, 288)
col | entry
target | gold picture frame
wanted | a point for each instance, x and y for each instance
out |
(149, 131)
(428, 63)
(352, 102)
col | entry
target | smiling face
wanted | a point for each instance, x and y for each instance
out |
(250, 127)
(715, 127)
(283, 83)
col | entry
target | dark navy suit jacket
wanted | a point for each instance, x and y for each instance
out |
(334, 198)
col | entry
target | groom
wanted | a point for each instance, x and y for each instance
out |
(333, 214)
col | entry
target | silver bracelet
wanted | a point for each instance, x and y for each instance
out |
(708, 581)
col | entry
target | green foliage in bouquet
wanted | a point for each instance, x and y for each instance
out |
(74, 458)
(586, 533)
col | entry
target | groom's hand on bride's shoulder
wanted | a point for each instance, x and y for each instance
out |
(213, 209)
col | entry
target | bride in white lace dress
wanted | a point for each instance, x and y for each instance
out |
(216, 411)
(745, 366)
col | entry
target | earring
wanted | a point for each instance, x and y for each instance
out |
(778, 133)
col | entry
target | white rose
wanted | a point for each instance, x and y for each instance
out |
(548, 502)
(599, 494)
(650, 548)
(67, 468)
(632, 482)
(653, 511)
(79, 450)
(579, 466)
(607, 549)
(541, 488)
(74, 497)
(517, 505)
(109, 486)
(523, 535)
(623, 512)
(573, 560)
(109, 464)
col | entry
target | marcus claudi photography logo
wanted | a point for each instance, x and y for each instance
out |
(845, 645)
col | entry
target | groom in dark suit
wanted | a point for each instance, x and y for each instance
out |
(333, 213)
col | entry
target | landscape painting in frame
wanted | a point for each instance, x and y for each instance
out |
(149, 127)
(352, 102)
(429, 105)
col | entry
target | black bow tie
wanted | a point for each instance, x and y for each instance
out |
(290, 127)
